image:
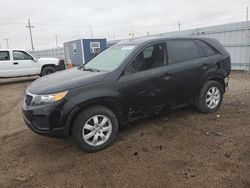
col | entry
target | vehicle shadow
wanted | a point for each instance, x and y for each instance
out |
(8, 81)
(164, 115)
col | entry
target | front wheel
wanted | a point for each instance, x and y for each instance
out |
(210, 97)
(95, 128)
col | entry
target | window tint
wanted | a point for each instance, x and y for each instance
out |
(205, 49)
(181, 50)
(151, 57)
(20, 55)
(4, 56)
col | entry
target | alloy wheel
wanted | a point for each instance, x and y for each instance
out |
(97, 130)
(213, 97)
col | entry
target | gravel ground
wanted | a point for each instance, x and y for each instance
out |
(179, 149)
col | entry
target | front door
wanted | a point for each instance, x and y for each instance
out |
(24, 63)
(142, 85)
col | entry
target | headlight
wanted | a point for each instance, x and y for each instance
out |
(49, 98)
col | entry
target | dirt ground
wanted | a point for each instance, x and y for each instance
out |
(174, 150)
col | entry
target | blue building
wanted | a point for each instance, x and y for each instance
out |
(81, 51)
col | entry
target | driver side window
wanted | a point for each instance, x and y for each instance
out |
(151, 57)
(20, 55)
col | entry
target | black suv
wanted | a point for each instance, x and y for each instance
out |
(130, 80)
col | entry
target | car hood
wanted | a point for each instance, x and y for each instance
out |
(65, 80)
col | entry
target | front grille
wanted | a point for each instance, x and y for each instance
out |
(28, 100)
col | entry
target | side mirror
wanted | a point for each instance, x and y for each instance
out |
(34, 59)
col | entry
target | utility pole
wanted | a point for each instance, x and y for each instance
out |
(31, 39)
(179, 25)
(56, 41)
(7, 42)
(114, 36)
(91, 31)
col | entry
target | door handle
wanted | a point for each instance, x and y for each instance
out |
(15, 63)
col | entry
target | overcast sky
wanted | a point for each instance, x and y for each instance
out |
(71, 19)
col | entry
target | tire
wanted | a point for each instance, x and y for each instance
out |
(210, 97)
(85, 130)
(48, 70)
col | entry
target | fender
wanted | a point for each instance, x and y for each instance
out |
(216, 75)
(81, 95)
(47, 62)
(99, 96)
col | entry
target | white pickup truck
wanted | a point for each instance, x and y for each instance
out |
(15, 62)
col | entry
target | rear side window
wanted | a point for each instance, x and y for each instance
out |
(181, 50)
(205, 49)
(4, 56)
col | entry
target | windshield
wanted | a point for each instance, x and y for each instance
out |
(110, 58)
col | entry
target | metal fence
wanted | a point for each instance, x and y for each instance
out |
(55, 52)
(235, 37)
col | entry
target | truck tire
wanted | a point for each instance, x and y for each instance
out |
(95, 128)
(48, 70)
(210, 97)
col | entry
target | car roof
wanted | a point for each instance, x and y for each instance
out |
(145, 40)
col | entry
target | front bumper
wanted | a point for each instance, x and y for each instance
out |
(48, 120)
(56, 133)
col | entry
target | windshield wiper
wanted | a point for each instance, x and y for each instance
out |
(88, 69)
(92, 70)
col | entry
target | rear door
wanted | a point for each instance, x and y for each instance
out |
(6, 65)
(210, 58)
(183, 70)
(24, 63)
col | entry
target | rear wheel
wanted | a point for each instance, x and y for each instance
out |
(95, 128)
(210, 98)
(48, 70)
